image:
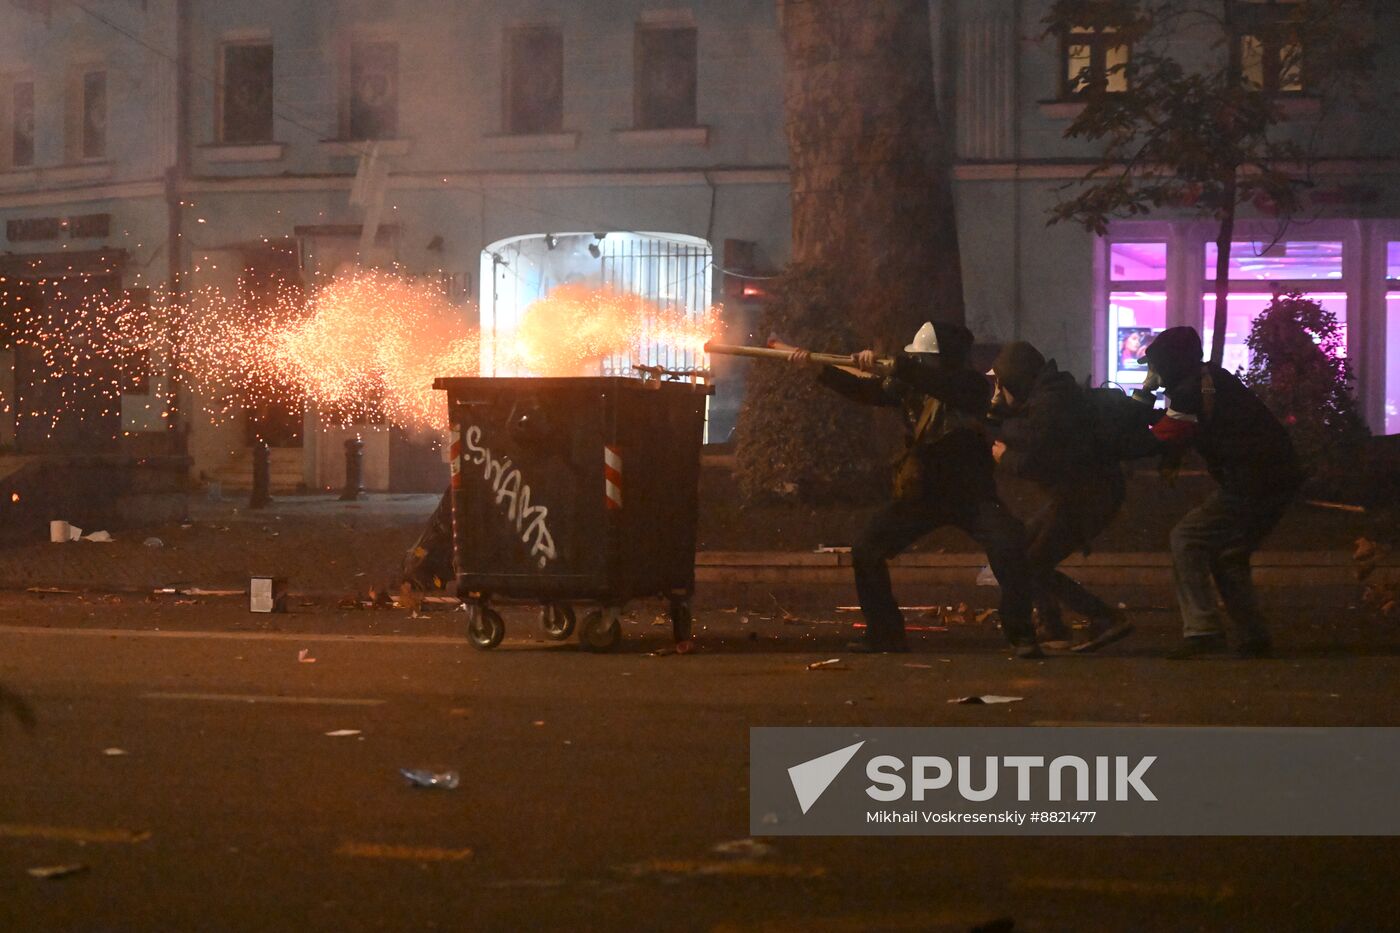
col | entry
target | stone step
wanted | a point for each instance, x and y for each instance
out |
(285, 470)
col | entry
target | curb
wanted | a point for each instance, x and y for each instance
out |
(1151, 568)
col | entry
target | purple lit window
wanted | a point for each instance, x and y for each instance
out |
(1137, 262)
(1134, 318)
(1392, 340)
(1296, 260)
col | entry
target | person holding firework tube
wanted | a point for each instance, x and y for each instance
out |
(944, 477)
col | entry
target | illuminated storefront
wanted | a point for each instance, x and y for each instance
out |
(1159, 275)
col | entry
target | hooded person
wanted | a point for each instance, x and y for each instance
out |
(1048, 437)
(1250, 456)
(944, 477)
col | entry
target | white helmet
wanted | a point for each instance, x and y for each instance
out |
(925, 341)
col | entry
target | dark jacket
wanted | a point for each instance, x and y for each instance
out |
(956, 461)
(1244, 446)
(1050, 439)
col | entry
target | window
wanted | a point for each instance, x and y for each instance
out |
(673, 273)
(373, 105)
(1392, 338)
(534, 80)
(666, 77)
(1259, 270)
(1093, 59)
(91, 141)
(246, 99)
(1270, 49)
(1137, 306)
(22, 124)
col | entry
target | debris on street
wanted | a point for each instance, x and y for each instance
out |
(304, 656)
(54, 872)
(830, 664)
(60, 532)
(341, 733)
(194, 591)
(267, 594)
(114, 752)
(421, 777)
(99, 537)
(986, 699)
(153, 543)
(744, 848)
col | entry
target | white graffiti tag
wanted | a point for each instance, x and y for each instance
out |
(531, 521)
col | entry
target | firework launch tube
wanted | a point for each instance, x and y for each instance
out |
(772, 353)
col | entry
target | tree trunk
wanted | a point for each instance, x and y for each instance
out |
(1223, 238)
(872, 203)
(875, 245)
(1234, 74)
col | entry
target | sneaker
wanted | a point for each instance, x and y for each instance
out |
(1103, 632)
(1028, 652)
(1197, 646)
(878, 646)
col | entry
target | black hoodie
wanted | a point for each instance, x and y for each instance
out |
(1245, 447)
(956, 461)
(1050, 440)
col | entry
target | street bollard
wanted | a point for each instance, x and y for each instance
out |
(262, 460)
(354, 470)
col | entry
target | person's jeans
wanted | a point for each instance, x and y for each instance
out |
(1073, 517)
(1214, 541)
(902, 522)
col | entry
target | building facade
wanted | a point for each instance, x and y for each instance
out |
(505, 148)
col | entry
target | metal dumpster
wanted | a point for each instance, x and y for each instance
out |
(574, 490)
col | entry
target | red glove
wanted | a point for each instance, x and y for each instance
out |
(1171, 430)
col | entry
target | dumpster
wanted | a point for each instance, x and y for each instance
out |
(574, 493)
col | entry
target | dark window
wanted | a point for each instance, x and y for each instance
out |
(247, 94)
(89, 226)
(94, 133)
(1271, 47)
(1093, 59)
(666, 77)
(29, 229)
(535, 80)
(374, 90)
(22, 125)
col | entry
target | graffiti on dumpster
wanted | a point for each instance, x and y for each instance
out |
(512, 492)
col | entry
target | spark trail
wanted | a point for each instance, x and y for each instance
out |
(363, 348)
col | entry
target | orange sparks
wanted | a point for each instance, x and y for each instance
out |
(576, 327)
(364, 348)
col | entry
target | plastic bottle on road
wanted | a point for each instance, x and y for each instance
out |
(421, 777)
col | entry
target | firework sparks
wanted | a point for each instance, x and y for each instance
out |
(576, 326)
(364, 348)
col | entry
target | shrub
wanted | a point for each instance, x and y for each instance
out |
(796, 439)
(1297, 366)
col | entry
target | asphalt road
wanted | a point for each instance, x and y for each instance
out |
(596, 788)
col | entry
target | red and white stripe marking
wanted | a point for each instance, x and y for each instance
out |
(612, 476)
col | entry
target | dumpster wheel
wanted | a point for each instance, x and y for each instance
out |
(557, 620)
(601, 630)
(485, 627)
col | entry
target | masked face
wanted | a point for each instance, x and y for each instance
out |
(1003, 401)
